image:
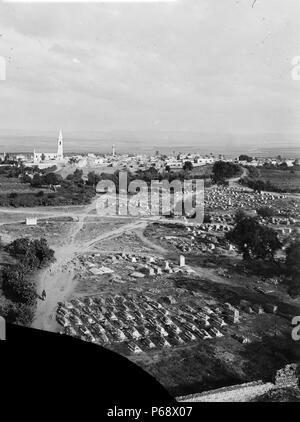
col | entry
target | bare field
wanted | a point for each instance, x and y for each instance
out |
(54, 230)
(128, 242)
(95, 226)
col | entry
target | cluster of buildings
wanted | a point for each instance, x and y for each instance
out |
(135, 162)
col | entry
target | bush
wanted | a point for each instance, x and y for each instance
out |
(265, 212)
(223, 170)
(293, 268)
(17, 313)
(16, 287)
(30, 253)
(188, 166)
(13, 195)
(252, 239)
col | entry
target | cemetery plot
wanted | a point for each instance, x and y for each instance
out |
(229, 198)
(143, 323)
(196, 239)
(131, 265)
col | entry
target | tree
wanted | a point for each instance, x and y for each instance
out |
(148, 175)
(223, 170)
(17, 313)
(254, 240)
(293, 268)
(16, 287)
(93, 178)
(283, 166)
(26, 178)
(13, 195)
(258, 185)
(52, 179)
(245, 157)
(76, 177)
(73, 160)
(265, 212)
(30, 253)
(42, 251)
(188, 166)
(18, 248)
(36, 181)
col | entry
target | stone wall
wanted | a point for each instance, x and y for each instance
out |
(287, 377)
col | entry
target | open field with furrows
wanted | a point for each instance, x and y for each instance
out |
(283, 179)
(54, 230)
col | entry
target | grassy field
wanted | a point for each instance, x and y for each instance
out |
(11, 184)
(283, 179)
(54, 230)
(202, 170)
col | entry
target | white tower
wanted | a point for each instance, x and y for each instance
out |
(113, 151)
(60, 148)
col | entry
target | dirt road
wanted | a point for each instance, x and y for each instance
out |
(58, 279)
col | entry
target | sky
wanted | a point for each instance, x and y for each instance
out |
(156, 72)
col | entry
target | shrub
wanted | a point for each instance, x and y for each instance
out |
(17, 313)
(265, 212)
(16, 287)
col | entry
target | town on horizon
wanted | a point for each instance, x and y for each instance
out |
(134, 161)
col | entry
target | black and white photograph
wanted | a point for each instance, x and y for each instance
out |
(149, 203)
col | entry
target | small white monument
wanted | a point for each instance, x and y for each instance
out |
(181, 261)
(32, 221)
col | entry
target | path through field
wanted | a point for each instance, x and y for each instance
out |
(58, 279)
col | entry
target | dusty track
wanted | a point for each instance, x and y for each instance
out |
(58, 279)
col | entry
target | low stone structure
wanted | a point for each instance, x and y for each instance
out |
(286, 377)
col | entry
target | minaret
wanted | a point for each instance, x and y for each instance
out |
(60, 148)
(113, 151)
